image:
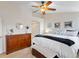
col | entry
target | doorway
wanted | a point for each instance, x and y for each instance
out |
(35, 28)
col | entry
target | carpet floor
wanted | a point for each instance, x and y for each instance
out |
(24, 53)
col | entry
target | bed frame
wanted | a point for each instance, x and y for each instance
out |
(39, 55)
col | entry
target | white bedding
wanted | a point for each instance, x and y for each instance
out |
(55, 47)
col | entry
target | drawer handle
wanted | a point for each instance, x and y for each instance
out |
(33, 43)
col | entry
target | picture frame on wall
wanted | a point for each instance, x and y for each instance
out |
(57, 25)
(68, 24)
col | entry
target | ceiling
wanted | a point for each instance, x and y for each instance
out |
(61, 6)
(14, 8)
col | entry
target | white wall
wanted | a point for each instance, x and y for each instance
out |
(1, 37)
(12, 13)
(0, 27)
(63, 17)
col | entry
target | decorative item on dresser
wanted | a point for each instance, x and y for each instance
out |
(27, 28)
(57, 25)
(17, 42)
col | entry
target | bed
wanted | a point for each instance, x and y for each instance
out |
(55, 45)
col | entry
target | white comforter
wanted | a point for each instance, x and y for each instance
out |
(62, 50)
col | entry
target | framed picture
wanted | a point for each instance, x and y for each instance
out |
(68, 24)
(57, 25)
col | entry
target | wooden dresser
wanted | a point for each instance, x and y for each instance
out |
(17, 42)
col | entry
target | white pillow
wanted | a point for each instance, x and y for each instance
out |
(71, 33)
(60, 31)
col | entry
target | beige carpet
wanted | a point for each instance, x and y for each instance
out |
(24, 53)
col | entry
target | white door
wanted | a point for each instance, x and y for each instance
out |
(1, 40)
(35, 28)
(0, 27)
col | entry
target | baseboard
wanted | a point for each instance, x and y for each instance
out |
(1, 52)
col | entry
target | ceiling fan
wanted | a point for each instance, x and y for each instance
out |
(44, 7)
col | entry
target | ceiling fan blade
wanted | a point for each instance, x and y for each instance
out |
(43, 13)
(48, 3)
(35, 11)
(36, 6)
(53, 9)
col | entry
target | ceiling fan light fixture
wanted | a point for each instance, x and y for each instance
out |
(44, 7)
(42, 10)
